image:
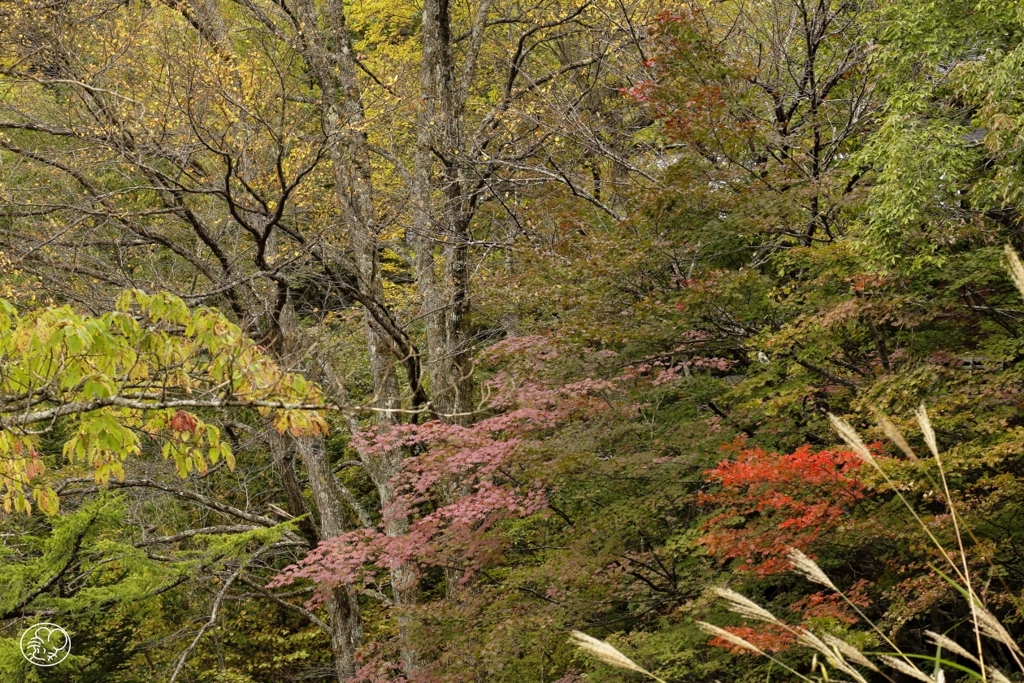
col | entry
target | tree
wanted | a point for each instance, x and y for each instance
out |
(96, 395)
(770, 101)
(258, 105)
(123, 374)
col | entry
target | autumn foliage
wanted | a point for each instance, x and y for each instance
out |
(764, 503)
(392, 342)
(462, 482)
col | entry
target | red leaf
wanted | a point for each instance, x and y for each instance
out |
(183, 422)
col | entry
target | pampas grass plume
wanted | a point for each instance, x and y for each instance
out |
(926, 429)
(997, 675)
(607, 653)
(849, 652)
(895, 435)
(810, 569)
(849, 436)
(1016, 268)
(907, 669)
(745, 606)
(728, 637)
(991, 627)
(951, 645)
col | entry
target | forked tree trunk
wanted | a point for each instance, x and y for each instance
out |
(342, 603)
(335, 72)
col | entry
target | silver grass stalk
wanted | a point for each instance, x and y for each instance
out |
(940, 676)
(926, 429)
(713, 630)
(810, 569)
(839, 664)
(745, 606)
(908, 669)
(606, 653)
(997, 676)
(976, 606)
(849, 435)
(813, 641)
(834, 659)
(734, 639)
(991, 627)
(895, 435)
(951, 645)
(849, 652)
(1015, 267)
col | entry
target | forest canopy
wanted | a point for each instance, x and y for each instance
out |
(497, 340)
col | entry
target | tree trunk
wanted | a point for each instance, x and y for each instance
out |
(441, 224)
(342, 604)
(349, 153)
(445, 299)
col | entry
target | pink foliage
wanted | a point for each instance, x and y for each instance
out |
(476, 461)
(459, 481)
(679, 362)
(534, 344)
(376, 668)
(641, 92)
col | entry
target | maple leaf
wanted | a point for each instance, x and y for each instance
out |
(183, 422)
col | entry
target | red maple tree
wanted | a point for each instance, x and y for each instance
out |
(766, 503)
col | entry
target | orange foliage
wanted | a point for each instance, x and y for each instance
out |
(767, 503)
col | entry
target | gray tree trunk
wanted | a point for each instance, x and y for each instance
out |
(443, 211)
